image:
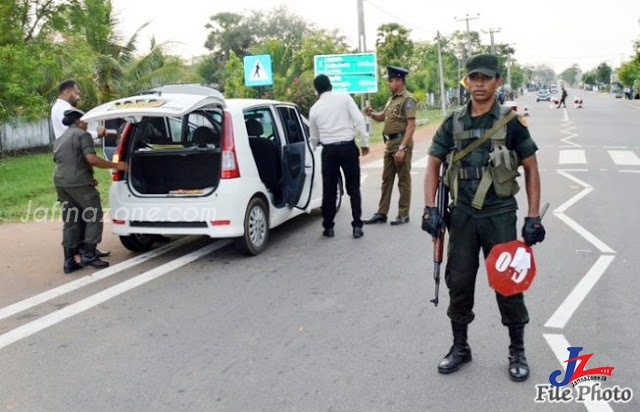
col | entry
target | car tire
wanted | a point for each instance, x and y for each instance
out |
(256, 228)
(138, 242)
(340, 193)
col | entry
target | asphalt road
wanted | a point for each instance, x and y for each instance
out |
(317, 324)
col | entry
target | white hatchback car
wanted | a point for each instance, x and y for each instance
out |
(200, 164)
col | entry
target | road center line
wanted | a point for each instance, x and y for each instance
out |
(58, 316)
(87, 280)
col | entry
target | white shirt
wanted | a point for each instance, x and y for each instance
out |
(57, 114)
(332, 119)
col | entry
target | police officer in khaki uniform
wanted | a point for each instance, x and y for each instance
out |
(477, 223)
(75, 156)
(399, 116)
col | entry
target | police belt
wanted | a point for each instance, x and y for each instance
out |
(392, 136)
(471, 173)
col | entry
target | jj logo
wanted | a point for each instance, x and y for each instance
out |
(576, 370)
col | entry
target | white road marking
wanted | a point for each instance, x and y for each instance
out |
(58, 316)
(559, 345)
(559, 212)
(87, 280)
(624, 157)
(568, 307)
(376, 164)
(572, 157)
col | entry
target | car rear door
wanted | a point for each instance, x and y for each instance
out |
(298, 160)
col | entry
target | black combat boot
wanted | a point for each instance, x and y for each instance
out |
(518, 367)
(70, 264)
(459, 353)
(91, 258)
(99, 253)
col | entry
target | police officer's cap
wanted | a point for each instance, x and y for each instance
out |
(394, 72)
(486, 64)
(71, 115)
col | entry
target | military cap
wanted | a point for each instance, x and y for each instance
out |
(486, 64)
(74, 112)
(71, 115)
(394, 72)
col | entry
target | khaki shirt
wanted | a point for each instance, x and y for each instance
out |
(398, 109)
(72, 169)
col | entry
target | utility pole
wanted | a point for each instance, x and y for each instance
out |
(466, 19)
(490, 32)
(467, 51)
(362, 47)
(443, 103)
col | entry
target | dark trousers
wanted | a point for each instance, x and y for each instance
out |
(467, 235)
(335, 157)
(82, 214)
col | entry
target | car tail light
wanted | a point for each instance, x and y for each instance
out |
(229, 168)
(118, 175)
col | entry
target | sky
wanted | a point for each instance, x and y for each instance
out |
(555, 33)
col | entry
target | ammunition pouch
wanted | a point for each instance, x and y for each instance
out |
(504, 171)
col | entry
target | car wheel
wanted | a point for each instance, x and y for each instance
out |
(138, 242)
(340, 193)
(256, 228)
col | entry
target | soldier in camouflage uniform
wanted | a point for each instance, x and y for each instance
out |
(483, 208)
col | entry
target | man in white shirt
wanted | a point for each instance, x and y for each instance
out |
(68, 98)
(332, 119)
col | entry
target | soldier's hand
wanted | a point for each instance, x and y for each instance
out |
(533, 231)
(432, 222)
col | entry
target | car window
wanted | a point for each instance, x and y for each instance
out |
(292, 125)
(260, 123)
(198, 121)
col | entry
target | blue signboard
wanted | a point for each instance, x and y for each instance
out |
(257, 70)
(351, 73)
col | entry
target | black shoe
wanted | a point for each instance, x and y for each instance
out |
(357, 232)
(99, 253)
(328, 232)
(95, 261)
(102, 253)
(518, 367)
(400, 220)
(455, 358)
(376, 218)
(70, 265)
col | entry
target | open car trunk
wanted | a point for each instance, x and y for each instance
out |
(175, 171)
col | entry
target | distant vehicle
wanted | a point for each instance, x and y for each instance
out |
(543, 95)
(200, 164)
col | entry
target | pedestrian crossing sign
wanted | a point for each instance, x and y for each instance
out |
(257, 70)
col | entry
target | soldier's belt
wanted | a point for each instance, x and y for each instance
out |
(392, 136)
(471, 173)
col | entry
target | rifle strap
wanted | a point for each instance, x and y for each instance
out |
(478, 142)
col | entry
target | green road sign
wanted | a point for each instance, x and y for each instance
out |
(351, 73)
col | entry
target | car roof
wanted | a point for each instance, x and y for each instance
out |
(242, 104)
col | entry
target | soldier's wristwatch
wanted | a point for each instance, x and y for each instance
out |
(402, 147)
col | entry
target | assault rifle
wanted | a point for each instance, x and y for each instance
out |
(438, 241)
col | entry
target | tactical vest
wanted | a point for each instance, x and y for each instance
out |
(497, 167)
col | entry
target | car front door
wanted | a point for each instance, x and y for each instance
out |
(298, 163)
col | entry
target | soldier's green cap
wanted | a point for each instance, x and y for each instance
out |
(486, 64)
